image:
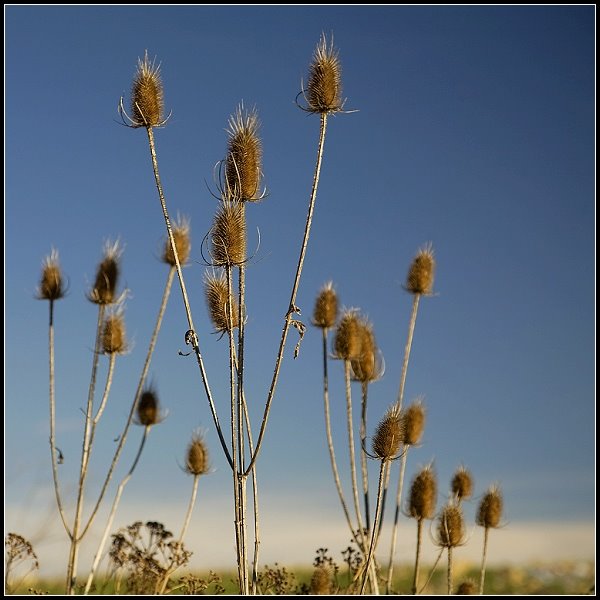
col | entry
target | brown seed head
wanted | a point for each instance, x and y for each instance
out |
(113, 336)
(347, 341)
(451, 526)
(147, 94)
(489, 512)
(148, 409)
(321, 584)
(423, 494)
(326, 307)
(414, 422)
(51, 283)
(215, 289)
(244, 153)
(196, 462)
(462, 484)
(181, 235)
(467, 588)
(388, 435)
(229, 235)
(324, 89)
(421, 272)
(107, 275)
(368, 366)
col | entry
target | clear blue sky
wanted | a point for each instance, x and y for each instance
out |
(475, 131)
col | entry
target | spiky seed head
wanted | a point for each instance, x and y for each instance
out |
(215, 289)
(321, 584)
(347, 340)
(181, 235)
(196, 461)
(413, 417)
(326, 307)
(422, 271)
(388, 435)
(324, 89)
(104, 290)
(147, 102)
(367, 367)
(51, 283)
(244, 153)
(423, 494)
(467, 588)
(148, 408)
(229, 235)
(113, 335)
(451, 526)
(490, 508)
(462, 484)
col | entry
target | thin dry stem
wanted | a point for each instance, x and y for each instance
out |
(363, 454)
(483, 560)
(411, 331)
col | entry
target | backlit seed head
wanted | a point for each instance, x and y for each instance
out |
(104, 290)
(421, 272)
(181, 235)
(490, 508)
(414, 422)
(229, 235)
(147, 102)
(462, 484)
(467, 588)
(324, 89)
(215, 289)
(244, 153)
(148, 409)
(197, 462)
(423, 494)
(388, 435)
(368, 366)
(326, 307)
(451, 527)
(347, 340)
(113, 335)
(321, 584)
(51, 283)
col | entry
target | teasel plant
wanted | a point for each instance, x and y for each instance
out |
(450, 534)
(488, 516)
(462, 484)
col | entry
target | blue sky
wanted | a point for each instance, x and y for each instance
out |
(475, 131)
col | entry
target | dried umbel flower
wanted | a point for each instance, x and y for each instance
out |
(326, 307)
(147, 95)
(489, 512)
(451, 527)
(367, 367)
(196, 462)
(324, 89)
(113, 335)
(421, 272)
(320, 584)
(218, 302)
(347, 341)
(462, 484)
(107, 275)
(243, 163)
(229, 235)
(414, 422)
(423, 494)
(181, 235)
(467, 588)
(51, 283)
(388, 435)
(148, 409)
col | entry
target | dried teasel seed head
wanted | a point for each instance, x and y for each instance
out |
(467, 588)
(413, 417)
(51, 283)
(422, 271)
(147, 102)
(244, 153)
(326, 307)
(196, 461)
(324, 89)
(321, 584)
(388, 435)
(215, 289)
(113, 335)
(229, 235)
(451, 526)
(462, 484)
(490, 508)
(181, 235)
(347, 340)
(367, 367)
(148, 408)
(423, 494)
(107, 275)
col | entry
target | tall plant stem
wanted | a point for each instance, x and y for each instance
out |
(193, 337)
(411, 331)
(431, 572)
(109, 378)
(450, 570)
(363, 453)
(415, 585)
(292, 309)
(113, 511)
(483, 560)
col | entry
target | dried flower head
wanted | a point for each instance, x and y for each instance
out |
(181, 235)
(107, 275)
(467, 588)
(148, 409)
(423, 494)
(147, 102)
(490, 508)
(229, 235)
(326, 307)
(421, 272)
(244, 153)
(324, 89)
(51, 283)
(321, 584)
(462, 484)
(196, 462)
(451, 526)
(413, 417)
(113, 335)
(368, 366)
(215, 289)
(347, 340)
(388, 435)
